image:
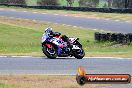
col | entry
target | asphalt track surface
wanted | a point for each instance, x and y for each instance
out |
(66, 66)
(117, 26)
(42, 65)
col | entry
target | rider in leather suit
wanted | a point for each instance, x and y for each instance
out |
(50, 33)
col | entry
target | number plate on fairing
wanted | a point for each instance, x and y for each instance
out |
(75, 47)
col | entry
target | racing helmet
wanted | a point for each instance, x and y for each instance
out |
(48, 30)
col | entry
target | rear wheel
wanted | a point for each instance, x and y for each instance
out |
(79, 54)
(50, 52)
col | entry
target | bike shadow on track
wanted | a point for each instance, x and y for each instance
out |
(65, 58)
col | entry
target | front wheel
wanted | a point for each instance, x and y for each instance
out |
(49, 52)
(79, 54)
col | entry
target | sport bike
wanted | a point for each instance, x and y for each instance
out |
(55, 46)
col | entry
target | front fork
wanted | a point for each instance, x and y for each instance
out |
(59, 50)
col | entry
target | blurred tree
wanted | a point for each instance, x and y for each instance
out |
(109, 3)
(48, 2)
(70, 2)
(128, 3)
(105, 5)
(3, 1)
(88, 3)
(16, 2)
(118, 3)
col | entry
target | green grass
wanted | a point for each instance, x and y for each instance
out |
(18, 40)
(19, 36)
(9, 85)
(2, 85)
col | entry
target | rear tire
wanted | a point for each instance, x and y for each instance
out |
(51, 56)
(79, 56)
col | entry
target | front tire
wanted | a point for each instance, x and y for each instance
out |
(79, 54)
(51, 55)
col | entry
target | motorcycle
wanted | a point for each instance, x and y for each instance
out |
(54, 46)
